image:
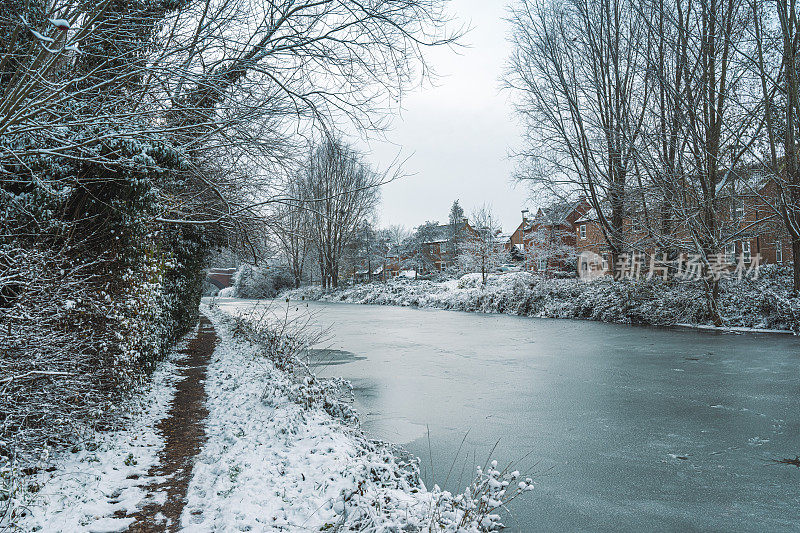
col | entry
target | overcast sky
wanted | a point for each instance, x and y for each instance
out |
(457, 134)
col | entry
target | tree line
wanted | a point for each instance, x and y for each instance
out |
(135, 135)
(355, 249)
(661, 112)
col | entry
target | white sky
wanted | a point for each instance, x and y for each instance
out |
(458, 133)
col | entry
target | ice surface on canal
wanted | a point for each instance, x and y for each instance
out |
(628, 428)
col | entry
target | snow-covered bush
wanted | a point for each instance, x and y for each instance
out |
(478, 506)
(252, 282)
(282, 339)
(470, 281)
(259, 282)
(11, 491)
(766, 302)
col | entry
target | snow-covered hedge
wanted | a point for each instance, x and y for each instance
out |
(258, 282)
(92, 291)
(762, 303)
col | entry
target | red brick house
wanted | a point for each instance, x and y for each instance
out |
(437, 246)
(546, 242)
(748, 226)
(755, 227)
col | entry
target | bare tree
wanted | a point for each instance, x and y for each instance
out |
(457, 231)
(777, 63)
(483, 252)
(416, 251)
(365, 251)
(340, 192)
(230, 75)
(290, 227)
(708, 121)
(550, 248)
(392, 240)
(579, 73)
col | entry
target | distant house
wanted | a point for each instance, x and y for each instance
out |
(393, 264)
(438, 243)
(589, 236)
(547, 242)
(752, 225)
(748, 225)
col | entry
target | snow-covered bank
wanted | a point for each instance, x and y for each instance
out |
(275, 459)
(282, 452)
(97, 483)
(765, 303)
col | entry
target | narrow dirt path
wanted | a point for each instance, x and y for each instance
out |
(184, 434)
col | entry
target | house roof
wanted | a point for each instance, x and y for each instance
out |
(748, 181)
(557, 213)
(588, 216)
(440, 233)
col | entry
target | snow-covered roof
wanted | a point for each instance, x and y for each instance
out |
(440, 233)
(557, 213)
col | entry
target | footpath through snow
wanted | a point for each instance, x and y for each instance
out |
(230, 437)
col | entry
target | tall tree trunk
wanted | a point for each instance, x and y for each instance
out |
(796, 263)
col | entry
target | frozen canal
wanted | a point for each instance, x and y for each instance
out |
(625, 428)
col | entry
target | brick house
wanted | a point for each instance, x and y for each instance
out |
(589, 236)
(541, 243)
(437, 246)
(748, 225)
(754, 227)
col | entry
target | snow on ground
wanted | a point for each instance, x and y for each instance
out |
(276, 464)
(283, 453)
(734, 329)
(276, 460)
(764, 304)
(90, 483)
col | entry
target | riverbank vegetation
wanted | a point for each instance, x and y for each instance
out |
(347, 481)
(763, 303)
(134, 137)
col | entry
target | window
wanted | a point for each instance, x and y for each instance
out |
(541, 265)
(737, 209)
(730, 252)
(779, 251)
(746, 251)
(583, 231)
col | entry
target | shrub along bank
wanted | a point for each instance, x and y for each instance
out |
(93, 291)
(764, 303)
